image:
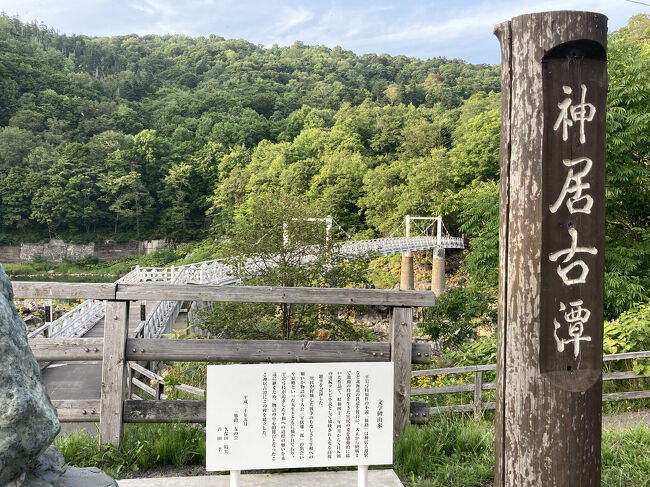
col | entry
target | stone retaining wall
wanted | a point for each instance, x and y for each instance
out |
(56, 250)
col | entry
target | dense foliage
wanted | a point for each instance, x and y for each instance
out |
(175, 136)
(138, 136)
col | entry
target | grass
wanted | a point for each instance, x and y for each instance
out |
(626, 458)
(450, 451)
(144, 446)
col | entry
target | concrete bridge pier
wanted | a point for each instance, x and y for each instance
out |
(438, 285)
(406, 272)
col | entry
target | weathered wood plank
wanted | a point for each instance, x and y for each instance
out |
(266, 294)
(114, 371)
(141, 385)
(626, 356)
(67, 349)
(146, 372)
(547, 431)
(503, 32)
(64, 290)
(190, 390)
(150, 411)
(622, 375)
(421, 353)
(401, 336)
(430, 391)
(478, 393)
(85, 411)
(454, 370)
(279, 351)
(419, 412)
(462, 408)
(624, 396)
(427, 391)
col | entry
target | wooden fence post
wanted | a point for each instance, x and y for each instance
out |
(401, 337)
(478, 393)
(551, 235)
(114, 371)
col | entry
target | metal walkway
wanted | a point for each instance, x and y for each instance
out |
(79, 321)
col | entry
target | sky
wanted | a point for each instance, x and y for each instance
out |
(423, 29)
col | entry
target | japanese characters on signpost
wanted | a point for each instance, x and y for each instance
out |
(551, 236)
(270, 416)
(574, 82)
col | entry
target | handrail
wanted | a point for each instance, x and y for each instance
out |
(80, 319)
(479, 386)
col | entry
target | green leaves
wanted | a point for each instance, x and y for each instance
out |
(630, 333)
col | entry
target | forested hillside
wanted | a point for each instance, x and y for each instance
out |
(143, 137)
(139, 136)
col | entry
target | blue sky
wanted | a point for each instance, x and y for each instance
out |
(454, 29)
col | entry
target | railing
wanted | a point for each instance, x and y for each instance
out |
(424, 411)
(116, 349)
(79, 320)
(385, 246)
(75, 322)
(156, 386)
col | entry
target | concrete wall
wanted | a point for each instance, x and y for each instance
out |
(56, 250)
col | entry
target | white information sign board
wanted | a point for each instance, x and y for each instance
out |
(265, 416)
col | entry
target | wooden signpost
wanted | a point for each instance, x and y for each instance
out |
(552, 235)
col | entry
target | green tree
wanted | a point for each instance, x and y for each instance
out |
(271, 243)
(177, 196)
(627, 252)
(128, 198)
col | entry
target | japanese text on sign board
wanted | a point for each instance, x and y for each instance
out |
(299, 415)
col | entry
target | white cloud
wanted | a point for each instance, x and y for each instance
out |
(414, 27)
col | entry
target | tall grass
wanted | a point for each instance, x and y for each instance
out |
(450, 451)
(458, 451)
(144, 446)
(626, 458)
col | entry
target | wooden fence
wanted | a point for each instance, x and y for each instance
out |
(421, 411)
(116, 350)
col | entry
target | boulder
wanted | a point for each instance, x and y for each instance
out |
(50, 470)
(28, 422)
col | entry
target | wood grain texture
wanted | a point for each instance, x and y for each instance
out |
(419, 412)
(151, 411)
(63, 290)
(503, 32)
(421, 353)
(275, 351)
(67, 349)
(114, 371)
(76, 411)
(271, 294)
(401, 335)
(544, 435)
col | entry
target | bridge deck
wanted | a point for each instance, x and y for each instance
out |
(82, 380)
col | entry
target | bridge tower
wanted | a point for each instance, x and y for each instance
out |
(438, 285)
(407, 280)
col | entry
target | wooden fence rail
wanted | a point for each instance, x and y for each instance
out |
(120, 354)
(424, 411)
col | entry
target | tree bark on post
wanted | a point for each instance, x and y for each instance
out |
(551, 236)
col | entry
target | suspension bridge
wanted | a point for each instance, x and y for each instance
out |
(81, 380)
(80, 320)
